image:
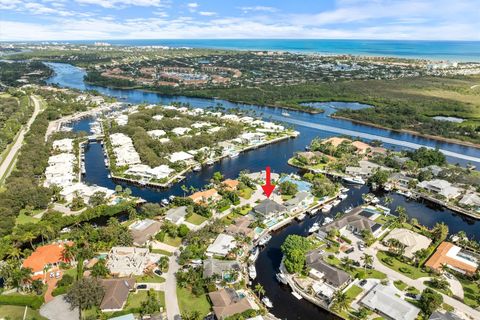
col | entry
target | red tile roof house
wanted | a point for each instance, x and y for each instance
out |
(45, 258)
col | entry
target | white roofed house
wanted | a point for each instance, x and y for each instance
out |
(158, 117)
(156, 133)
(441, 187)
(180, 156)
(180, 131)
(470, 200)
(118, 139)
(145, 171)
(200, 124)
(121, 120)
(126, 261)
(252, 137)
(231, 117)
(64, 145)
(176, 215)
(300, 202)
(222, 245)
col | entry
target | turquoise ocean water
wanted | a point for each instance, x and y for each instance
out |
(434, 50)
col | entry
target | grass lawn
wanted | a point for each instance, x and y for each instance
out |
(151, 279)
(286, 197)
(245, 210)
(23, 219)
(353, 292)
(412, 272)
(16, 313)
(189, 302)
(174, 242)
(369, 273)
(400, 285)
(471, 292)
(160, 251)
(135, 299)
(196, 219)
(447, 291)
(246, 193)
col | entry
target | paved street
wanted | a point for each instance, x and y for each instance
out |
(58, 309)
(171, 300)
(5, 166)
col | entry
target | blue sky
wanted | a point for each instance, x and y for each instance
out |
(172, 19)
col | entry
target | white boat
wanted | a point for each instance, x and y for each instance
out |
(349, 209)
(407, 194)
(264, 240)
(300, 217)
(164, 202)
(296, 295)
(327, 220)
(327, 208)
(343, 196)
(209, 162)
(254, 254)
(252, 272)
(282, 278)
(285, 114)
(171, 197)
(197, 168)
(233, 154)
(344, 190)
(354, 180)
(267, 302)
(109, 176)
(336, 203)
(314, 228)
(387, 187)
(375, 200)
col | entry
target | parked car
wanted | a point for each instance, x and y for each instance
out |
(158, 272)
(142, 286)
(363, 282)
(350, 250)
(57, 274)
(411, 295)
(361, 246)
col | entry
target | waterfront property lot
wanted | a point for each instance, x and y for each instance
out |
(196, 219)
(188, 302)
(401, 267)
(149, 279)
(17, 313)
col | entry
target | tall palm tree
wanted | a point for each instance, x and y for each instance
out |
(346, 263)
(259, 290)
(367, 260)
(340, 301)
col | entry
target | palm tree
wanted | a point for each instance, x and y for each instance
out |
(184, 189)
(367, 260)
(346, 263)
(388, 201)
(402, 214)
(340, 301)
(259, 290)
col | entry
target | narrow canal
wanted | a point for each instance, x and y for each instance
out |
(286, 306)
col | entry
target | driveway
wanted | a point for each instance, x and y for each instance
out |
(58, 309)
(455, 286)
(171, 300)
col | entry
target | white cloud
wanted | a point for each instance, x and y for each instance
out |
(258, 8)
(207, 13)
(117, 4)
(193, 5)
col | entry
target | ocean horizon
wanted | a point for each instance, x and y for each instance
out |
(462, 51)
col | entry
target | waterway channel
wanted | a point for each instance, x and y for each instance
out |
(286, 306)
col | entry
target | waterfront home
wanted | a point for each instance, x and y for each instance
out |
(121, 120)
(399, 180)
(441, 187)
(411, 240)
(252, 138)
(335, 141)
(312, 157)
(84, 191)
(156, 133)
(268, 209)
(454, 257)
(116, 293)
(145, 171)
(118, 139)
(63, 145)
(320, 270)
(158, 117)
(362, 147)
(200, 124)
(222, 245)
(227, 302)
(241, 227)
(231, 117)
(180, 131)
(222, 269)
(230, 185)
(364, 169)
(144, 230)
(434, 169)
(470, 200)
(60, 170)
(125, 261)
(46, 258)
(125, 153)
(206, 196)
(261, 175)
(180, 156)
(300, 202)
(438, 315)
(353, 222)
(302, 186)
(387, 302)
(214, 129)
(176, 215)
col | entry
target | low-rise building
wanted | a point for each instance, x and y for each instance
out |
(227, 302)
(144, 230)
(126, 261)
(230, 185)
(320, 270)
(454, 257)
(268, 209)
(180, 131)
(221, 269)
(222, 245)
(386, 301)
(116, 293)
(300, 202)
(180, 156)
(441, 187)
(241, 227)
(470, 200)
(206, 196)
(156, 133)
(63, 145)
(352, 222)
(46, 258)
(176, 215)
(411, 240)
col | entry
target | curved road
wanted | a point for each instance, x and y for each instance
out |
(5, 167)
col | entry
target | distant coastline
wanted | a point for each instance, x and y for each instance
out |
(461, 51)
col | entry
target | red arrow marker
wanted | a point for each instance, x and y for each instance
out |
(268, 187)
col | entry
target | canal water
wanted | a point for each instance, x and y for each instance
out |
(286, 306)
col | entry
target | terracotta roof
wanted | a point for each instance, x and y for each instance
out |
(231, 184)
(441, 257)
(116, 292)
(335, 141)
(44, 255)
(361, 146)
(226, 302)
(200, 196)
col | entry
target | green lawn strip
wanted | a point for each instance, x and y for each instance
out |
(160, 251)
(196, 219)
(188, 302)
(135, 299)
(149, 279)
(368, 273)
(400, 285)
(471, 292)
(447, 291)
(174, 242)
(246, 193)
(22, 218)
(17, 312)
(353, 292)
(413, 272)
